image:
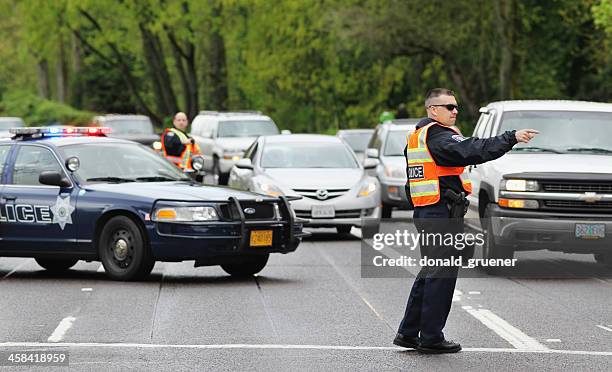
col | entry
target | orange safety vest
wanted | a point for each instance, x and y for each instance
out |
(182, 161)
(424, 173)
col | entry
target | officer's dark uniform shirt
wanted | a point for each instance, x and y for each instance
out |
(173, 144)
(450, 149)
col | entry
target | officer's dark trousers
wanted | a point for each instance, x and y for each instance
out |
(432, 292)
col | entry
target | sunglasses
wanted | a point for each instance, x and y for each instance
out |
(449, 106)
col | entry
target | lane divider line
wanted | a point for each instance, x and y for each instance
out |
(505, 330)
(5, 345)
(61, 329)
(604, 328)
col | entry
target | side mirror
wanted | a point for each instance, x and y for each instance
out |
(244, 163)
(73, 163)
(52, 178)
(370, 163)
(372, 153)
(285, 131)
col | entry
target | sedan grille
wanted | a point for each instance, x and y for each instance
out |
(322, 193)
(251, 210)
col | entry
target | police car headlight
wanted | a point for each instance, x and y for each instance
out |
(367, 188)
(519, 185)
(395, 171)
(197, 162)
(185, 214)
(267, 188)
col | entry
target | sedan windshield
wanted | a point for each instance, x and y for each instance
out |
(563, 131)
(357, 141)
(396, 141)
(307, 155)
(247, 128)
(130, 126)
(106, 162)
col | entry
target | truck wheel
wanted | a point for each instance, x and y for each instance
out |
(604, 259)
(343, 229)
(491, 250)
(246, 266)
(123, 250)
(387, 211)
(55, 265)
(215, 170)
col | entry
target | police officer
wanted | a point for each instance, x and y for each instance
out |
(436, 155)
(177, 145)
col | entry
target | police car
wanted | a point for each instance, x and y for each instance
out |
(69, 194)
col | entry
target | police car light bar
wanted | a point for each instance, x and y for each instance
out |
(36, 132)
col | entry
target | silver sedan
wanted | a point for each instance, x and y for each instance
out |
(323, 170)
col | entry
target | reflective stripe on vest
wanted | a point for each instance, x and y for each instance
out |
(424, 173)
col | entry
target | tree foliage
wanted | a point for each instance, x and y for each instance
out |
(314, 66)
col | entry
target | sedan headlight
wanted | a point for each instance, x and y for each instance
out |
(267, 188)
(232, 154)
(367, 188)
(395, 171)
(519, 185)
(185, 214)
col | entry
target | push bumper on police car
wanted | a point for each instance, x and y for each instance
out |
(242, 227)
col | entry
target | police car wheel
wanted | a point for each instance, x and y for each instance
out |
(123, 250)
(56, 265)
(246, 266)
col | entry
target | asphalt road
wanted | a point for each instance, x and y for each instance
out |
(309, 310)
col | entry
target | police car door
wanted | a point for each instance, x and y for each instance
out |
(39, 217)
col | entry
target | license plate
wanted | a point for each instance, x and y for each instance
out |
(260, 238)
(323, 211)
(590, 231)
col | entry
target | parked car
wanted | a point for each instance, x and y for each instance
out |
(335, 189)
(554, 193)
(7, 123)
(137, 128)
(387, 145)
(357, 139)
(223, 137)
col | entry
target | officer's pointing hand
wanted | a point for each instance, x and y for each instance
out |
(525, 135)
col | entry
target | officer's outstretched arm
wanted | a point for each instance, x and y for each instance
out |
(451, 150)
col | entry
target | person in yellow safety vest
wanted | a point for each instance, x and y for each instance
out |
(436, 155)
(177, 145)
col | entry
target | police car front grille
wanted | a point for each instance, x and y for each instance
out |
(348, 213)
(578, 206)
(263, 211)
(312, 193)
(577, 187)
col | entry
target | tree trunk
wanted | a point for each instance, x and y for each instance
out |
(76, 96)
(217, 69)
(504, 10)
(43, 79)
(61, 73)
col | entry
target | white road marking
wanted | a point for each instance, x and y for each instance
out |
(553, 340)
(25, 262)
(604, 327)
(505, 330)
(61, 329)
(466, 307)
(100, 269)
(474, 292)
(86, 289)
(4, 345)
(457, 292)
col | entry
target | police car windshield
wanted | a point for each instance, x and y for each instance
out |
(395, 143)
(307, 155)
(124, 162)
(562, 131)
(357, 141)
(130, 126)
(246, 128)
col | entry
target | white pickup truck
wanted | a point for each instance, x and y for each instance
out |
(553, 193)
